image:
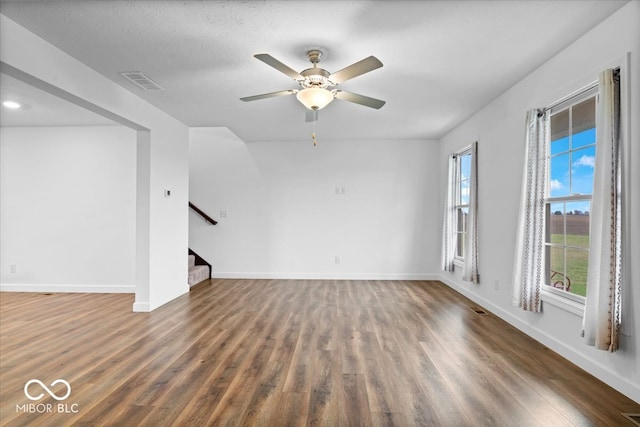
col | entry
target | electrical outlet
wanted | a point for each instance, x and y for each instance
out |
(337, 259)
(496, 285)
(13, 268)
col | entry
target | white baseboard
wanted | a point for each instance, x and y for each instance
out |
(103, 289)
(619, 383)
(141, 307)
(323, 276)
(147, 306)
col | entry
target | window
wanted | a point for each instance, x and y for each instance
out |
(460, 225)
(461, 203)
(560, 202)
(571, 162)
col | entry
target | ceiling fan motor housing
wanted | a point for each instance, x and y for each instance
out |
(316, 78)
(314, 94)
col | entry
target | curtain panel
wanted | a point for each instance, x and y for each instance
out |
(602, 317)
(448, 227)
(529, 263)
(470, 269)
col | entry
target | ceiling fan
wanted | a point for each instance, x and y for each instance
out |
(315, 83)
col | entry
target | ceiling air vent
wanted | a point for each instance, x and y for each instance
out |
(141, 80)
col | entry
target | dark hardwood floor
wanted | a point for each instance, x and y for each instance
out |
(287, 353)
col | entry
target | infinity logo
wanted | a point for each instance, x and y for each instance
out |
(52, 394)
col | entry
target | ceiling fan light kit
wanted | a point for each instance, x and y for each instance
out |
(315, 82)
(314, 98)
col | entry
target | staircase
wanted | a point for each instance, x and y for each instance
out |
(199, 269)
(197, 272)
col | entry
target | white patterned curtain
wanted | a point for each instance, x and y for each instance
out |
(448, 227)
(602, 315)
(470, 269)
(529, 257)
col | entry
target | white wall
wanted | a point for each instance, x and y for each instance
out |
(67, 221)
(285, 219)
(161, 155)
(499, 127)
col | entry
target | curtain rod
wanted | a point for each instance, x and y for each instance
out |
(575, 94)
(582, 91)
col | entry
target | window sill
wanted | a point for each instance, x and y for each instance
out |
(573, 307)
(458, 262)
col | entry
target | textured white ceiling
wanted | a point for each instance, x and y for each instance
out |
(443, 60)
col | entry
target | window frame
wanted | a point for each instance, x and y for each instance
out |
(458, 260)
(570, 301)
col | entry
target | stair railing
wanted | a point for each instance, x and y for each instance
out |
(206, 217)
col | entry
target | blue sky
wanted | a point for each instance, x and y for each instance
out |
(465, 173)
(572, 165)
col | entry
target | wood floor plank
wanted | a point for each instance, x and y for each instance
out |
(289, 353)
(354, 408)
(292, 410)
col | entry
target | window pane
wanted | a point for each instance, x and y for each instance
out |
(577, 221)
(560, 145)
(576, 275)
(556, 268)
(462, 214)
(581, 139)
(582, 170)
(460, 245)
(583, 123)
(556, 228)
(559, 176)
(560, 128)
(465, 166)
(464, 192)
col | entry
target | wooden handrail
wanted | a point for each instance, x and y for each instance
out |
(202, 214)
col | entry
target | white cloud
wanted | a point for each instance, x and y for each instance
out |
(556, 185)
(585, 160)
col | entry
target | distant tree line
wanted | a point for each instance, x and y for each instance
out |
(575, 212)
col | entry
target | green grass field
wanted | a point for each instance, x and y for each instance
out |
(577, 261)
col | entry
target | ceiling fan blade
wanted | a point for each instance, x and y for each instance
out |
(359, 99)
(311, 116)
(269, 95)
(355, 70)
(270, 60)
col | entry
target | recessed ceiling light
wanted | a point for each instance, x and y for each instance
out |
(11, 104)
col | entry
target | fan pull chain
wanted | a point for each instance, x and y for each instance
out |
(313, 134)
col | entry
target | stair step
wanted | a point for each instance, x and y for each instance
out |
(197, 274)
